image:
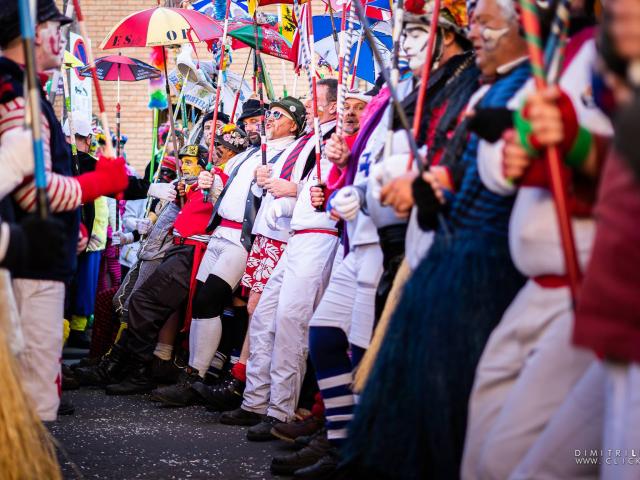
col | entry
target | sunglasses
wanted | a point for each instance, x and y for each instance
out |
(277, 115)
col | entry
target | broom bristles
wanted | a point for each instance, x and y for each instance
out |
(366, 364)
(26, 451)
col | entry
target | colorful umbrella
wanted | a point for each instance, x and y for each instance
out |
(121, 68)
(162, 26)
(114, 68)
(270, 42)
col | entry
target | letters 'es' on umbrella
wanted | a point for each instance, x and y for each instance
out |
(116, 68)
(161, 26)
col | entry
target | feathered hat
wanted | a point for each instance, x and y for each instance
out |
(453, 14)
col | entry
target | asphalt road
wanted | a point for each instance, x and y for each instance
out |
(132, 438)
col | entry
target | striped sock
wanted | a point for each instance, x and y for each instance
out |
(328, 348)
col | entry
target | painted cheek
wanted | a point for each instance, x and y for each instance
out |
(55, 43)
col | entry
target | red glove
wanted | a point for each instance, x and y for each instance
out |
(109, 177)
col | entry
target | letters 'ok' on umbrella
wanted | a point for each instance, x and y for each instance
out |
(116, 68)
(161, 26)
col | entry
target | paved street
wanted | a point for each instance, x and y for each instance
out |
(130, 438)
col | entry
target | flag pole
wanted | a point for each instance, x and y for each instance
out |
(533, 36)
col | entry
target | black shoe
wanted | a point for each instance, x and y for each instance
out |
(165, 371)
(325, 468)
(69, 381)
(262, 431)
(181, 394)
(66, 407)
(85, 362)
(305, 441)
(111, 369)
(78, 339)
(240, 417)
(138, 380)
(222, 397)
(309, 455)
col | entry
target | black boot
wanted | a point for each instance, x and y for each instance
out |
(325, 468)
(240, 417)
(309, 455)
(138, 380)
(262, 431)
(181, 394)
(165, 372)
(69, 382)
(112, 368)
(223, 397)
(79, 339)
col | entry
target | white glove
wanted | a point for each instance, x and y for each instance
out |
(16, 157)
(121, 238)
(163, 191)
(216, 189)
(279, 208)
(144, 226)
(205, 180)
(347, 202)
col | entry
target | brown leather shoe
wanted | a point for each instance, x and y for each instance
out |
(290, 431)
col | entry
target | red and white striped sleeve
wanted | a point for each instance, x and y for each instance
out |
(64, 192)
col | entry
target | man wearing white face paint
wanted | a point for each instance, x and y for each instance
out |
(279, 327)
(534, 336)
(40, 295)
(410, 422)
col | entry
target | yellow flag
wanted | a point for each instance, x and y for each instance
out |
(251, 6)
(287, 23)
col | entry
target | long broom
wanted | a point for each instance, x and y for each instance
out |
(26, 451)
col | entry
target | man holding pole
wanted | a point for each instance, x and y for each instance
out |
(40, 296)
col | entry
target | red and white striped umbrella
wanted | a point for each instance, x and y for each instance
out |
(162, 26)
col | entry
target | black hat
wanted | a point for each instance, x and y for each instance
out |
(251, 108)
(199, 151)
(295, 109)
(223, 117)
(10, 18)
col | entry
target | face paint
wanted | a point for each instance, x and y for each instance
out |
(414, 43)
(190, 167)
(491, 36)
(52, 45)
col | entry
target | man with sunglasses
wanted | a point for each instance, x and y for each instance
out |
(279, 179)
(279, 326)
(225, 260)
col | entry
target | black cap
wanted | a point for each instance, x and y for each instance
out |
(223, 117)
(10, 18)
(251, 108)
(295, 109)
(199, 151)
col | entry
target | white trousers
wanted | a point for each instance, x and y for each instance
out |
(41, 308)
(595, 433)
(279, 327)
(349, 302)
(526, 371)
(224, 259)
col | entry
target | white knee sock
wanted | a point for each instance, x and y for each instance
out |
(204, 339)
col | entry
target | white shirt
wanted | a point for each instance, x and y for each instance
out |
(260, 225)
(304, 214)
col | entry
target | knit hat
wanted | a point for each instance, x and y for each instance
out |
(169, 162)
(233, 138)
(46, 10)
(295, 109)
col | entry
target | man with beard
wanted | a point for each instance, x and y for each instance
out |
(249, 120)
